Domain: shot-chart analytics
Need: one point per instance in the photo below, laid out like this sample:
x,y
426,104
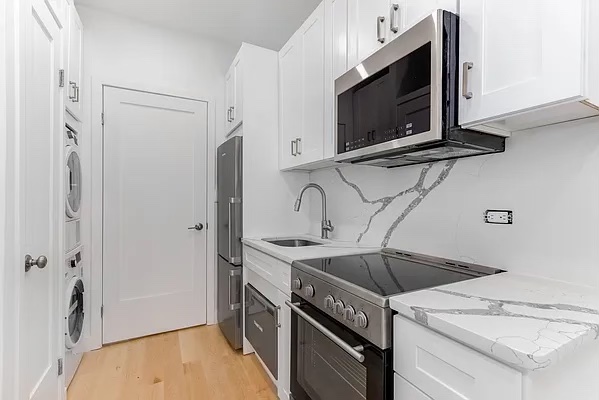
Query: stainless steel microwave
x,y
400,105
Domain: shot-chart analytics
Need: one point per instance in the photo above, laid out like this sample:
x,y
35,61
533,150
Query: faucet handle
x,y
327,226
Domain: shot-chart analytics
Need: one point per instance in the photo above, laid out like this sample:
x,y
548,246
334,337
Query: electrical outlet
x,y
500,217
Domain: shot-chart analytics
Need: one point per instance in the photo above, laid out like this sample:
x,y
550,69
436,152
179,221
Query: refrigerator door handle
x,y
233,258
234,306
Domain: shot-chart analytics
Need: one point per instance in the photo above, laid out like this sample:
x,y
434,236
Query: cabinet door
x,y
311,141
290,101
74,73
368,24
413,11
405,391
229,99
339,28
284,350
525,54
237,103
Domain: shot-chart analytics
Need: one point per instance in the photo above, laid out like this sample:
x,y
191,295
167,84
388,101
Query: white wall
x,y
123,52
548,176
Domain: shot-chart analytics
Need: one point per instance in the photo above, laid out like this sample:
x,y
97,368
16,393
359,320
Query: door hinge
x,y
61,78
102,119
102,311
60,367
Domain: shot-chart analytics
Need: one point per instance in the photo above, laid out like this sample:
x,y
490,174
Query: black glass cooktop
x,y
386,275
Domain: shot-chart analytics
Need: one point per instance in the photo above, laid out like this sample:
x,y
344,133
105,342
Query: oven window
x,y
391,104
324,370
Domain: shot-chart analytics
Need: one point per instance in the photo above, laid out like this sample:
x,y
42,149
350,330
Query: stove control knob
x,y
349,313
339,307
296,284
329,302
309,291
361,320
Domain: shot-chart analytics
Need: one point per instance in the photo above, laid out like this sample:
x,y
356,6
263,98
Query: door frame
x,y
93,152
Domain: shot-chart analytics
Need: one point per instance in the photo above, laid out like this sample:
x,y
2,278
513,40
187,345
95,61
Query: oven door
x,y
329,362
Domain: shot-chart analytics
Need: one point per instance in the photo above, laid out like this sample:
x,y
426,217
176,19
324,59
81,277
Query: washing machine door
x,y
73,182
74,313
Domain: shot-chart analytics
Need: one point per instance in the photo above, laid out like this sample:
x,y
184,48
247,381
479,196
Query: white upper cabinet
x,y
74,70
412,11
290,101
368,24
340,35
304,86
526,63
234,95
310,143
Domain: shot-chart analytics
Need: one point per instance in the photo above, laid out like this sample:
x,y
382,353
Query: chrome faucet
x,y
325,224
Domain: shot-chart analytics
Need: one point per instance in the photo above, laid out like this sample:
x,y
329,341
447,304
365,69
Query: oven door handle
x,y
355,352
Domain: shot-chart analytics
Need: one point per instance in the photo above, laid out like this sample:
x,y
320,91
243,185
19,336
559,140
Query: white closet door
x,y
154,190
40,204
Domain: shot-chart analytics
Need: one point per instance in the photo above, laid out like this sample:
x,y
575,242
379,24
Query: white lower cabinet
x,y
404,390
284,349
271,277
446,370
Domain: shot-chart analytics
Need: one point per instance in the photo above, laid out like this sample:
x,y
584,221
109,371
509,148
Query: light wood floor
x,y
195,363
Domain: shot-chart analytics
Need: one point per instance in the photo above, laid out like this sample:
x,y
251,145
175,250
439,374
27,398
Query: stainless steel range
x,y
341,321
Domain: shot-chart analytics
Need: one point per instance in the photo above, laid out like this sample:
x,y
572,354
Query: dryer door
x,y
74,315
73,183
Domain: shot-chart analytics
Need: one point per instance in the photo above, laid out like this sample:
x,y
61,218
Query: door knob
x,y
41,262
197,227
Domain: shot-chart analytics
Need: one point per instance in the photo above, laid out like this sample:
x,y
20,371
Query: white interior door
x,y
154,189
40,143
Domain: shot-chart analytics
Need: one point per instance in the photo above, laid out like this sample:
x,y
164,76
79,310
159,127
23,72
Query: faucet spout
x,y
325,225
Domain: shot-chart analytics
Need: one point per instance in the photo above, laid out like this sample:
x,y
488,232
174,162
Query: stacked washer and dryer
x,y
74,312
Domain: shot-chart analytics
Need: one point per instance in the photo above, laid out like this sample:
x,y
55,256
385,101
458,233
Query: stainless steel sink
x,y
293,242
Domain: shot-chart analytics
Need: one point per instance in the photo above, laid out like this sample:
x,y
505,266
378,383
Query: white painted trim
x,y
9,292
3,172
94,131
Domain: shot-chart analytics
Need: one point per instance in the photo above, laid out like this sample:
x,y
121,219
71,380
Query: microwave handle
x,y
380,29
355,352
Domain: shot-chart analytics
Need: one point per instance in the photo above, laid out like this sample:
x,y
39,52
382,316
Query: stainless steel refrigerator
x,y
229,230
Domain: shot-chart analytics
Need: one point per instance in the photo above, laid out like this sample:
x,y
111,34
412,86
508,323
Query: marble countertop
x,y
529,323
329,248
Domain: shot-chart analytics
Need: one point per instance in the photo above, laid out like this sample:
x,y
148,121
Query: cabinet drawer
x,y
275,271
404,390
445,369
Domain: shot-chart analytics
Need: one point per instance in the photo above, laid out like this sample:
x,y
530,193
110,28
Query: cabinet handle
x,y
299,146
394,18
76,94
73,90
465,81
293,148
229,114
380,29
232,114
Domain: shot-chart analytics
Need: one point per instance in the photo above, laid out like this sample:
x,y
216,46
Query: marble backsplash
x,y
548,177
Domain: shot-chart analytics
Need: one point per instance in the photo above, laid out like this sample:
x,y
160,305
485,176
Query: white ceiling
x,y
267,23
